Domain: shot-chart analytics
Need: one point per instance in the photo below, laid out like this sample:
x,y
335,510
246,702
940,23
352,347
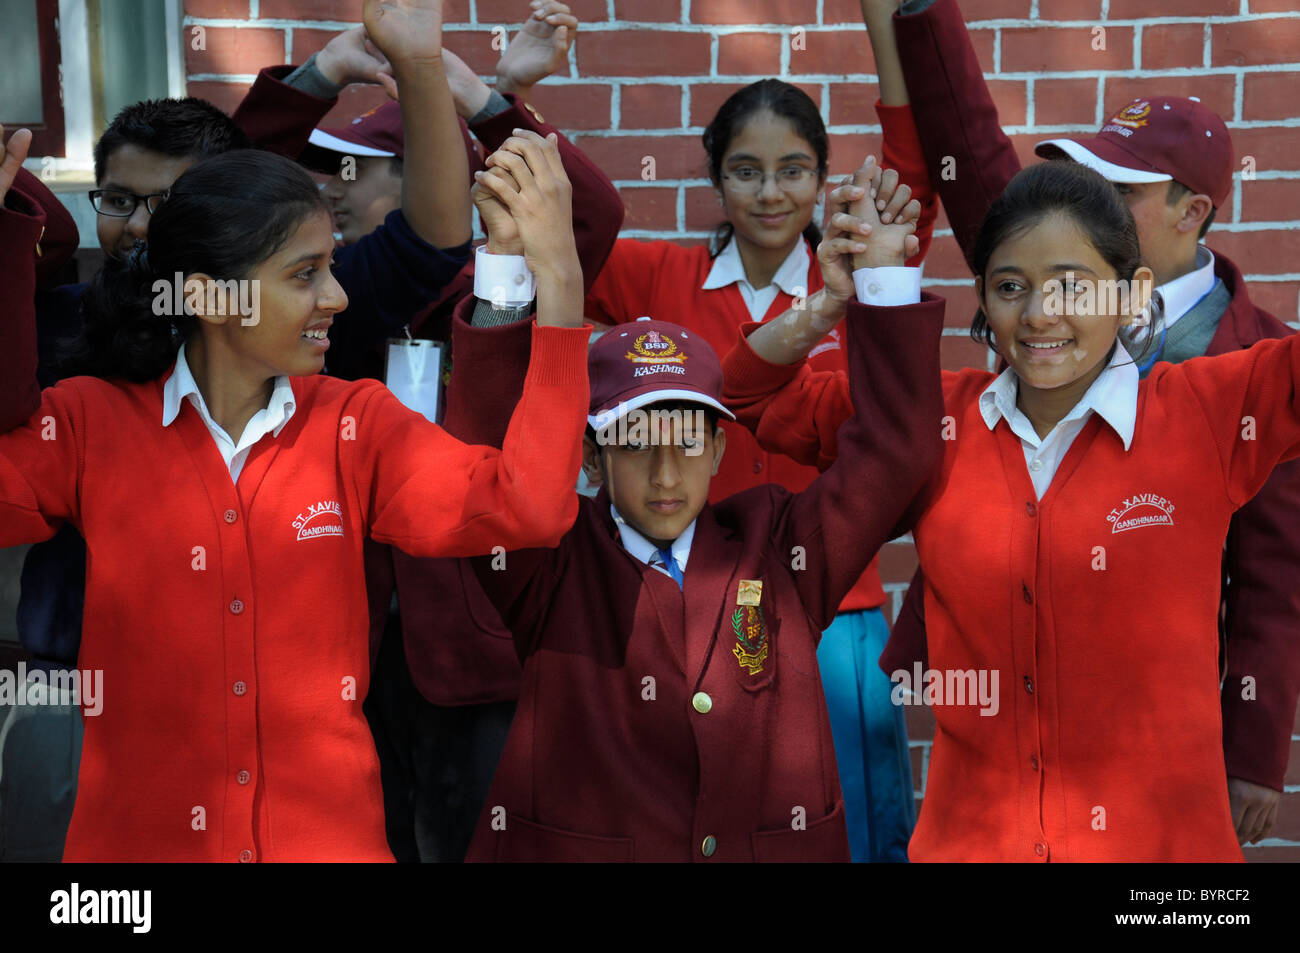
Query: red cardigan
x,y
1260,598
229,621
1109,677
608,757
457,648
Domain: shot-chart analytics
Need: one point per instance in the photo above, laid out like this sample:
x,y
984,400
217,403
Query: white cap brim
x,y
1108,170
324,140
602,420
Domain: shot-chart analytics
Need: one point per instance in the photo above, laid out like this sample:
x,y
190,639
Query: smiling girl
x,y
224,488
1065,480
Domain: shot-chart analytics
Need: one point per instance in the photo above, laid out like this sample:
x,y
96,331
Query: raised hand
x,y
537,50
498,223
351,57
405,31
527,177
886,216
14,153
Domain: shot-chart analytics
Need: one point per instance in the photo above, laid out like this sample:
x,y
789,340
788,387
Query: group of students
x,y
758,417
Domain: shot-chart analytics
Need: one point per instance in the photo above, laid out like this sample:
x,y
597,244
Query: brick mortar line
x,y
1023,76
721,29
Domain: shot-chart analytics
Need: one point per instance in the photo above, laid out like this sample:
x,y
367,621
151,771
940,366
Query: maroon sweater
x,y
1260,606
609,757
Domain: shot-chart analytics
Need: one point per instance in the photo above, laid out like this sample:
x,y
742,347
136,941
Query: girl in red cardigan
x,y
1077,704
226,612
767,158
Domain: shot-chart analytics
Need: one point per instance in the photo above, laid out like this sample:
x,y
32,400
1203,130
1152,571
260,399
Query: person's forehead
x,y
313,236
1052,240
768,136
142,171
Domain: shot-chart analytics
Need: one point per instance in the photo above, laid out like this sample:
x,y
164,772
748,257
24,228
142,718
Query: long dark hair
x,y
222,218
1091,202
781,99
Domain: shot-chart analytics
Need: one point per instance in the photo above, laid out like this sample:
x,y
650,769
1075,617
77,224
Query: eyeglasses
x,y
117,203
747,178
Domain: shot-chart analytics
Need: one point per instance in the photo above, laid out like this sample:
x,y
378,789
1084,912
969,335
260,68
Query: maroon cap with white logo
x,y
1155,140
648,362
376,133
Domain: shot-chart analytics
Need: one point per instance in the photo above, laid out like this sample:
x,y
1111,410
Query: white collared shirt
x,y
1183,294
1113,395
503,280
791,277
647,552
878,286
269,420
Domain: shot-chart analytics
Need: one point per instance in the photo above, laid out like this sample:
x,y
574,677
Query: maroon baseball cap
x,y
1154,140
375,133
648,362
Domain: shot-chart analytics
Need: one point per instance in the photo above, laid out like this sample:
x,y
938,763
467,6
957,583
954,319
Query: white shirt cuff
x,y
503,280
889,286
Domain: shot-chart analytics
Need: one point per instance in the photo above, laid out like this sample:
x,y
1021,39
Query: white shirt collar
x,y
644,550
271,419
1113,395
1182,294
791,277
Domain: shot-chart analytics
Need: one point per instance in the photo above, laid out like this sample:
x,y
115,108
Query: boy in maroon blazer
x,y
671,707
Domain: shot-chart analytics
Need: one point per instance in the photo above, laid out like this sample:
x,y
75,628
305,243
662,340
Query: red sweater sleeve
x,y
623,287
888,449
790,408
431,495
40,467
22,223
1251,402
955,116
901,151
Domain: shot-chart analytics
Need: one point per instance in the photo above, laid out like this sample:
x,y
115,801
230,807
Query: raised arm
x,y
901,146
537,50
969,159
434,199
890,444
39,432
522,495
22,223
768,385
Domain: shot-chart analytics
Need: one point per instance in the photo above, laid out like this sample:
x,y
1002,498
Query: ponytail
x,y
121,335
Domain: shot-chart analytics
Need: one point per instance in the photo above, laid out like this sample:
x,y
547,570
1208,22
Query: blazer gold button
x,y
702,703
709,846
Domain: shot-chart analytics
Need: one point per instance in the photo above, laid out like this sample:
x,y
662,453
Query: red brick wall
x,y
646,75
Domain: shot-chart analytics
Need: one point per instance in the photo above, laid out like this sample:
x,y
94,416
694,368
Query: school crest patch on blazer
x,y
750,627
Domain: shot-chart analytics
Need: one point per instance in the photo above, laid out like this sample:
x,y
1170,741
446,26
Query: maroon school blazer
x,y
658,724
